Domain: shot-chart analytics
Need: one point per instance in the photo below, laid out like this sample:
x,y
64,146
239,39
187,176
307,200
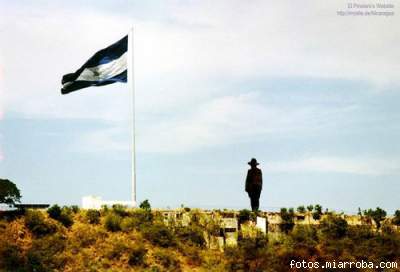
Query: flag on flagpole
x,y
107,66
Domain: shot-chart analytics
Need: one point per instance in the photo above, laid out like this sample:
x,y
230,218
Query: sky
x,y
312,95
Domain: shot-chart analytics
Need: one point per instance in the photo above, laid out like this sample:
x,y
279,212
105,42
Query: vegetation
x,y
301,209
378,215
317,212
396,218
64,215
287,217
121,239
145,205
93,216
9,193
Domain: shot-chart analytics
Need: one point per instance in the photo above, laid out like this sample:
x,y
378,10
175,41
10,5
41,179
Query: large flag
x,y
107,66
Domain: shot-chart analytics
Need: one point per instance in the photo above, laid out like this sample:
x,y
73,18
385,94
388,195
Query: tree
x,y
377,215
64,215
317,212
287,217
396,218
301,209
9,193
310,208
145,205
334,226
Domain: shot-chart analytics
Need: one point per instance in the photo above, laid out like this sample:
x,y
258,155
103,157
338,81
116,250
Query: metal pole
x,y
131,83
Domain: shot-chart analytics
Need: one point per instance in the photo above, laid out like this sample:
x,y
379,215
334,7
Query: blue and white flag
x,y
107,66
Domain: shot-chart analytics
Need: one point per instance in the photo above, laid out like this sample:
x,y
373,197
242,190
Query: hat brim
x,y
250,163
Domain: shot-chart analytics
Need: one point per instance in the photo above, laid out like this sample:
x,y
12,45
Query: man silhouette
x,y
254,184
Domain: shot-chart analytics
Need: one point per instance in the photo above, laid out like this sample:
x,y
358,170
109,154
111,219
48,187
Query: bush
x,y
244,216
304,234
317,212
137,256
64,215
75,208
396,218
333,227
120,210
192,235
377,215
46,253
11,258
113,222
129,223
54,211
249,254
166,260
159,234
145,205
36,223
138,219
301,209
83,235
118,247
93,216
287,219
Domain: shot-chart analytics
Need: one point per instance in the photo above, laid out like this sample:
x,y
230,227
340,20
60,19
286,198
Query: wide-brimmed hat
x,y
253,161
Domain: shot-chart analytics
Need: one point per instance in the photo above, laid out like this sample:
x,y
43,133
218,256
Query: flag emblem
x,y
107,66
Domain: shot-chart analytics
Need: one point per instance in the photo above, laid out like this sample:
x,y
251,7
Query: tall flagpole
x,y
131,83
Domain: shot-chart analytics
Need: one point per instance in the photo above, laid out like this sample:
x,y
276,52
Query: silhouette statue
x,y
254,184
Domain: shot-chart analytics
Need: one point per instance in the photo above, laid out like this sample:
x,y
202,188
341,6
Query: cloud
x,y
332,164
221,121
103,140
180,51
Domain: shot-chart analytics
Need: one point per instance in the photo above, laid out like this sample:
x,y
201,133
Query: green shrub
x,y
317,212
396,218
333,226
83,235
129,223
159,234
137,256
167,260
54,212
304,234
145,205
93,216
104,210
120,210
244,216
287,219
45,254
301,209
11,258
191,235
248,255
141,218
118,247
75,208
377,215
37,224
64,215
112,222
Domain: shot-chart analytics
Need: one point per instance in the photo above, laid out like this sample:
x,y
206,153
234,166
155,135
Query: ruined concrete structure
x,y
225,226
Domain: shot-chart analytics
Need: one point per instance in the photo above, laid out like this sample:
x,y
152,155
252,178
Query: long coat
x,y
254,180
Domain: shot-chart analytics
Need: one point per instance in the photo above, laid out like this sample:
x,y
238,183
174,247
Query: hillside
x,y
117,239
